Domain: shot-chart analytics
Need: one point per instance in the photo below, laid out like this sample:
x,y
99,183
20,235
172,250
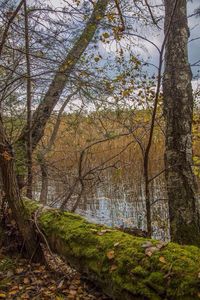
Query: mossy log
x,y
124,266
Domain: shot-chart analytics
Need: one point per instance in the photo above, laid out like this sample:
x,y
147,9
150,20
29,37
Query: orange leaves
x,y
110,254
6,156
162,259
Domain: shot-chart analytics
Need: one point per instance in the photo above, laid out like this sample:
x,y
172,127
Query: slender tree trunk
x,y
44,188
178,109
29,104
42,154
7,27
13,197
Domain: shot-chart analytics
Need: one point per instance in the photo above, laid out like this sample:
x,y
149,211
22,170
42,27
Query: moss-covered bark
x,y
126,267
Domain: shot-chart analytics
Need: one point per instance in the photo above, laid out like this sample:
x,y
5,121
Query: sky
x,y
193,45
194,24
157,38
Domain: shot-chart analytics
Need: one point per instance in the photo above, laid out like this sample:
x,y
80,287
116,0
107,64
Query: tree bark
x,y
45,181
178,110
44,110
41,155
13,197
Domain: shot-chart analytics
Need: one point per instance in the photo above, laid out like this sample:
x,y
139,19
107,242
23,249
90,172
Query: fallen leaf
x,y
73,292
100,233
13,292
162,260
147,245
110,254
26,280
10,273
161,245
149,251
113,268
2,295
61,284
19,270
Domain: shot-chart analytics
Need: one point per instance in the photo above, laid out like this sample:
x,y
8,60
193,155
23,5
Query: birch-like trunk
x,y
178,109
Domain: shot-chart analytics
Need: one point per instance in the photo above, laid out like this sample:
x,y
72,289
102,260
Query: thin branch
x,y
5,33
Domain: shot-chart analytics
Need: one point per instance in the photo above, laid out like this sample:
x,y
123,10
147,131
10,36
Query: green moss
x,y
139,271
157,282
31,206
170,273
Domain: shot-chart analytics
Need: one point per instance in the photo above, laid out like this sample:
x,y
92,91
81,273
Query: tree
x,y
178,110
40,118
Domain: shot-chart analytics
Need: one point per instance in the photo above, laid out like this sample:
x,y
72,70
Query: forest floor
x,y
56,280
20,279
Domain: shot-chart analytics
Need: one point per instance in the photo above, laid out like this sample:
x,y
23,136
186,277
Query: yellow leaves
x,y
126,92
135,60
162,259
13,293
2,295
117,32
111,17
105,35
97,58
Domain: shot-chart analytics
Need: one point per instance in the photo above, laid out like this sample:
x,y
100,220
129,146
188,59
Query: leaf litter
x,y
32,281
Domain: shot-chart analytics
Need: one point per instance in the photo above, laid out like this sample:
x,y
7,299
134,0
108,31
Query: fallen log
x,y
124,266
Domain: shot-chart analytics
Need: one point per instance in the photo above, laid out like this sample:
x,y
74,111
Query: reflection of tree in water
x,y
126,212
120,204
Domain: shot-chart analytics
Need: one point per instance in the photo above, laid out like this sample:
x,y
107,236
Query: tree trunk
x,y
178,110
124,266
44,188
52,96
12,195
29,104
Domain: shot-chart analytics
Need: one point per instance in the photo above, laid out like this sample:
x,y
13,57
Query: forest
x,y
99,149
